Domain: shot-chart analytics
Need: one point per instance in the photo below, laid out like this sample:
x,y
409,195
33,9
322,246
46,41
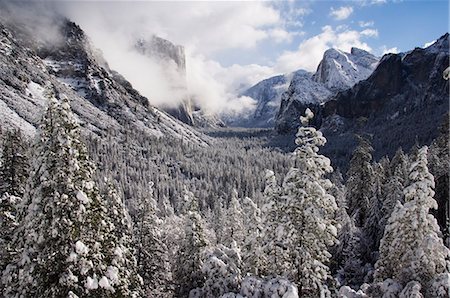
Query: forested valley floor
x,y
123,215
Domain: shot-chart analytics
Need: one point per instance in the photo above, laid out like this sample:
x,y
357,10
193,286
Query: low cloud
x,y
393,50
341,13
310,51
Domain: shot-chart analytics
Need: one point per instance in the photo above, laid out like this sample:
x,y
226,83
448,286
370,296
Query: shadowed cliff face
x,y
173,61
404,101
336,72
413,79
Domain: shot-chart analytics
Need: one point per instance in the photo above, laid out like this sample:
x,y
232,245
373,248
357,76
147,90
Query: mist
x,y
115,27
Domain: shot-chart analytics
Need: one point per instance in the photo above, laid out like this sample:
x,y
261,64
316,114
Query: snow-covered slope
x,y
303,92
280,101
339,70
267,94
101,98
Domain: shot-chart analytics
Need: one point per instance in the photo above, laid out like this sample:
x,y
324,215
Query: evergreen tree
x,y
63,248
372,229
310,213
14,164
411,249
222,269
234,225
252,249
152,252
123,270
8,224
275,259
360,182
188,273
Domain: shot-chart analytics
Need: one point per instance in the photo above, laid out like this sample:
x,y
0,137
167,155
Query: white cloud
x,y
365,24
427,44
370,32
393,50
280,35
205,29
341,13
310,51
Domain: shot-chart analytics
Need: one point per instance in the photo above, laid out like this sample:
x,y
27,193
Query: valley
x,y
170,178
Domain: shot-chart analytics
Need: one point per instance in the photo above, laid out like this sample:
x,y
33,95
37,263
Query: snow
x,y
339,70
113,274
91,283
82,197
80,248
104,283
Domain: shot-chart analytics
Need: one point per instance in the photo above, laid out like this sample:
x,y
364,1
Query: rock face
x,y
267,94
337,71
404,101
101,98
303,92
173,60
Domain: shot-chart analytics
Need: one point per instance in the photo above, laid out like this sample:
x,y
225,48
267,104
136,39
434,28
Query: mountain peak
x,y
339,70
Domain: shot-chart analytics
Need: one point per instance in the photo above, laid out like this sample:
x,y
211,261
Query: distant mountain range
x,y
280,98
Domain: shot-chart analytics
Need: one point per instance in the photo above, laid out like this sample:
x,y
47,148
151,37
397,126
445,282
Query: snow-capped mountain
x,y
267,94
339,70
101,98
404,101
281,99
303,92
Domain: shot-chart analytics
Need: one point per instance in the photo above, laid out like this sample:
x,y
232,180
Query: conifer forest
x,y
325,182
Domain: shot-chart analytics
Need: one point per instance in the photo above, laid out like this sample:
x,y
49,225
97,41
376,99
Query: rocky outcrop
x,y
303,92
173,60
102,99
336,72
403,102
339,70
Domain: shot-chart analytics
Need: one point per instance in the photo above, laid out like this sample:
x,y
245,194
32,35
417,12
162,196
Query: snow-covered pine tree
x,y
152,252
351,249
122,273
411,248
14,164
252,248
309,210
275,259
360,182
222,269
8,224
233,222
187,272
61,240
372,229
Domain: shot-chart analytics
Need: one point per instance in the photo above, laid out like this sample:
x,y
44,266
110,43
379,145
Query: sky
x,y
231,45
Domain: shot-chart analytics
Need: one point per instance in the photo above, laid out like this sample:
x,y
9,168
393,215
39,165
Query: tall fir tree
x,y
152,252
252,248
310,210
411,248
360,182
14,165
275,259
234,224
63,248
187,272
